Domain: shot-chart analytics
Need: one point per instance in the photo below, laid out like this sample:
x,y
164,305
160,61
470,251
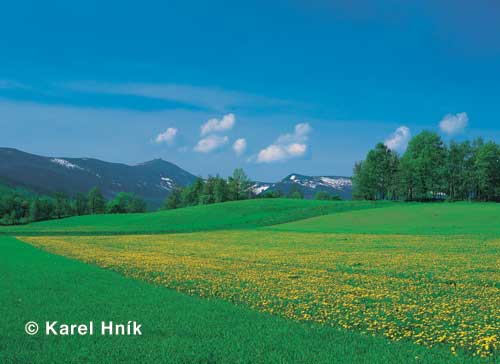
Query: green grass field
x,y
37,286
433,218
229,215
268,281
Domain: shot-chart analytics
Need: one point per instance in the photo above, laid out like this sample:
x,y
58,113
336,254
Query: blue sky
x,y
309,86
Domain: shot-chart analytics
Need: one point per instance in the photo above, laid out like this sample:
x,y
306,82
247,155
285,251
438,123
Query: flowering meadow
x,y
433,290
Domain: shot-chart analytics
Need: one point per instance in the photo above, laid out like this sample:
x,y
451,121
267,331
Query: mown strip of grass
x,y
38,286
228,215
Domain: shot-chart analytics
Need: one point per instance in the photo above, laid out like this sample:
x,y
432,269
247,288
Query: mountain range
x,y
308,185
152,180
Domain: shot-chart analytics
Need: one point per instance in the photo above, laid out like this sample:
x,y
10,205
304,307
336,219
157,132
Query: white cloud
x,y
302,130
399,139
239,146
454,124
210,143
275,153
300,134
296,149
168,136
217,125
287,146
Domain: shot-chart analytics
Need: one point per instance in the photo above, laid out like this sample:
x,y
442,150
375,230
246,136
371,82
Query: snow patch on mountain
x,y
315,182
336,182
65,163
259,188
167,183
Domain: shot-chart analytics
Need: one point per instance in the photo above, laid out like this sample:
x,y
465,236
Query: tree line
x,y
21,207
236,187
212,190
430,170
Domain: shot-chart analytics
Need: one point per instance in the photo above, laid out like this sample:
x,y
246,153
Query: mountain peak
x,y
152,180
308,185
294,177
153,162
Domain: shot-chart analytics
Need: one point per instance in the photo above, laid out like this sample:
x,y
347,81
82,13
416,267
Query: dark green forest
x,y
430,170
19,206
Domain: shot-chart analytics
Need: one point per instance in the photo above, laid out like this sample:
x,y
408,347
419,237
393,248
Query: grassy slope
x,y
229,215
437,218
39,286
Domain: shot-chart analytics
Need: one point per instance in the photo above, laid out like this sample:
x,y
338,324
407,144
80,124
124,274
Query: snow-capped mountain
x,y
151,180
308,185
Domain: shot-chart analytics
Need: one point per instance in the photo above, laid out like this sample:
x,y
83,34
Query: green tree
x,y
272,194
96,202
119,204
14,209
137,204
174,200
295,192
423,167
220,190
62,206
207,195
81,204
43,209
191,195
239,185
460,171
487,165
36,213
473,174
125,203
376,177
361,186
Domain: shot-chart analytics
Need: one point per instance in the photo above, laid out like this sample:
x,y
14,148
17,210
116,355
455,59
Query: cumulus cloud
x,y
454,124
217,125
399,139
239,146
287,146
168,136
210,143
275,153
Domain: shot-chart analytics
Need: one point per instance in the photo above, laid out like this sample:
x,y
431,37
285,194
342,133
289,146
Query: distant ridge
x,y
152,180
308,185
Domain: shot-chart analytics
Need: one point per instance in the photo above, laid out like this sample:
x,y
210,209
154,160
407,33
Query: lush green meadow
x,y
310,282
37,286
405,218
229,215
